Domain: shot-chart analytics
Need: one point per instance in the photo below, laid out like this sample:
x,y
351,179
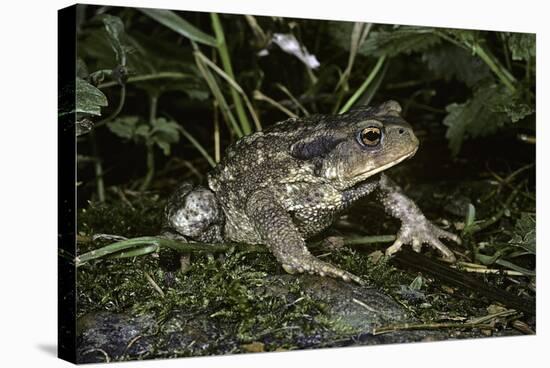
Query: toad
x,y
283,185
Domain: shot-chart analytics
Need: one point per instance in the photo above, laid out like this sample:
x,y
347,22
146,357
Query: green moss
x,y
237,290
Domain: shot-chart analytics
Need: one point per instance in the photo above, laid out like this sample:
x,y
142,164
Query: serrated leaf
x,y
340,32
449,61
401,40
515,109
96,44
89,99
125,126
169,129
525,233
466,36
474,118
165,133
522,46
179,25
143,130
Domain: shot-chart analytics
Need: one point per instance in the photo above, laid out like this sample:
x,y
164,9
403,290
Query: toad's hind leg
x,y
283,238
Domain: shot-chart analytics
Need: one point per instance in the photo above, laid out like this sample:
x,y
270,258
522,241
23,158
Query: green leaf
x,y
81,69
466,36
179,25
126,126
89,99
525,233
449,61
470,216
417,283
400,40
522,46
103,50
515,109
474,118
340,33
143,130
115,31
165,133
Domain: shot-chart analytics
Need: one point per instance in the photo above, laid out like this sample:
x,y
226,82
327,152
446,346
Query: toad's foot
x,y
313,265
423,232
280,234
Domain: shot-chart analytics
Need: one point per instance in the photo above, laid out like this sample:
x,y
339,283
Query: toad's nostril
x,y
401,130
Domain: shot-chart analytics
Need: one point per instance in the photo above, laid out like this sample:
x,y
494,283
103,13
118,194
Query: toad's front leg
x,y
280,234
415,228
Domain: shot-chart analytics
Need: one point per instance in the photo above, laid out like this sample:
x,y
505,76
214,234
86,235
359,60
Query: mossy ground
x,y
230,288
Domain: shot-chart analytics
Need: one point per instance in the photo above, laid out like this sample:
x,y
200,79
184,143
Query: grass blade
x,y
198,146
218,95
363,86
226,62
234,85
179,25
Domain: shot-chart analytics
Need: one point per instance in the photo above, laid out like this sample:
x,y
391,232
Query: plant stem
x,y
118,109
150,159
505,77
492,62
217,150
153,100
234,85
218,95
98,168
226,62
198,146
147,77
363,86
261,97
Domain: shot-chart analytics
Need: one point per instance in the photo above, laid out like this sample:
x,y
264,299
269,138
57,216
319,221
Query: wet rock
x,y
359,310
104,336
354,309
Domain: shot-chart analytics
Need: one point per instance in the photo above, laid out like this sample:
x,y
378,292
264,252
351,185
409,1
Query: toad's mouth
x,y
379,169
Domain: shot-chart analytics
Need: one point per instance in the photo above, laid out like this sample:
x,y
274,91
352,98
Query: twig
x,y
491,271
107,359
364,305
475,323
428,326
154,284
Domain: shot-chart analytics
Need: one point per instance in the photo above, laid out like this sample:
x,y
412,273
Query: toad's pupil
x,y
371,136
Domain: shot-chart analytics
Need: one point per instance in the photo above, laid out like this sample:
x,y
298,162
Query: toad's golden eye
x,y
370,136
